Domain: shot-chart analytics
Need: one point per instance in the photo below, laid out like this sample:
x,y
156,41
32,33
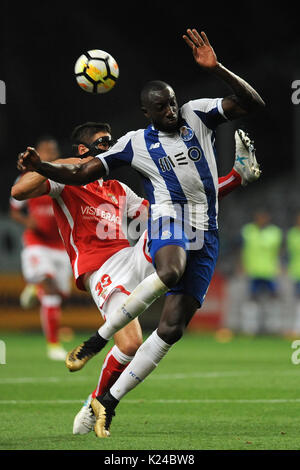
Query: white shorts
x,y
40,262
121,272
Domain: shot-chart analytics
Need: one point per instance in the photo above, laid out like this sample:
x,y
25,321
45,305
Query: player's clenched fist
x,y
28,160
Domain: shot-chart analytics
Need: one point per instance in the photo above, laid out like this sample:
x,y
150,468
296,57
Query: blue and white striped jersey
x,y
178,169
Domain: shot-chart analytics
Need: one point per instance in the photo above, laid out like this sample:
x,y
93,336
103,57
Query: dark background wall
x,y
39,46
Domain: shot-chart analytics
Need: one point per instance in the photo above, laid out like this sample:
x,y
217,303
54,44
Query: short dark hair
x,y
154,85
85,132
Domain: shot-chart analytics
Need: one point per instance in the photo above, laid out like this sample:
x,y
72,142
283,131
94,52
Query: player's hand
x,y
28,160
203,52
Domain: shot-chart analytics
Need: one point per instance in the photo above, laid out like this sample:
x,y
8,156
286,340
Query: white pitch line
x,y
199,375
221,400
29,380
179,376
39,402
176,376
33,380
141,401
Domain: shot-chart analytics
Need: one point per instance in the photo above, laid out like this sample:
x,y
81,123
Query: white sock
x,y
139,300
120,356
144,362
111,370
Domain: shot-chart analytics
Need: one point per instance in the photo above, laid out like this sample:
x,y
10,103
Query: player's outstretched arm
x,y
32,184
245,98
72,174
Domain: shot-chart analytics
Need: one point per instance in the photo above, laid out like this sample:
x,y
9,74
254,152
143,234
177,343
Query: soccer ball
x,y
96,71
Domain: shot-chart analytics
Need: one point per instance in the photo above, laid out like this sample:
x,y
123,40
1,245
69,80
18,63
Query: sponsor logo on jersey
x,y
100,212
194,153
154,146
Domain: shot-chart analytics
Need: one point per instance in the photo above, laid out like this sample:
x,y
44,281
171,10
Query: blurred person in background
x,y
260,258
44,261
293,252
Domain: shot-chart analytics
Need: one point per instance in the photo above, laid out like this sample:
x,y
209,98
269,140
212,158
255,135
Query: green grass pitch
x,y
205,395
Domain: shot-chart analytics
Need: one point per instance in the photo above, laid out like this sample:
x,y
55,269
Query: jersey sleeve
x,y
54,188
210,111
135,204
17,205
120,154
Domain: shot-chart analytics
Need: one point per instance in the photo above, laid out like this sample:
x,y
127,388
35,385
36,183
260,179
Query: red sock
x,y
228,183
50,313
111,371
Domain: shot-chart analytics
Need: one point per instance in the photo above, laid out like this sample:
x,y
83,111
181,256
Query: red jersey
x,y
90,221
46,233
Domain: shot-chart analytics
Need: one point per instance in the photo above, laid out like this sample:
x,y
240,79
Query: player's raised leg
x,y
246,169
245,159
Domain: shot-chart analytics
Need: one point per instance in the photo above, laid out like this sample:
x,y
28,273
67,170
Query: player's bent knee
x,y
170,275
170,333
129,347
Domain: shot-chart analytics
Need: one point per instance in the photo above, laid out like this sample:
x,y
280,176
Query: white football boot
x,y
56,352
245,161
85,419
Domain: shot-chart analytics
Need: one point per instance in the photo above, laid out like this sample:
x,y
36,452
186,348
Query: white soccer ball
x,y
96,71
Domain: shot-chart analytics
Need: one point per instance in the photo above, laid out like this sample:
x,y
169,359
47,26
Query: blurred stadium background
x,y
259,43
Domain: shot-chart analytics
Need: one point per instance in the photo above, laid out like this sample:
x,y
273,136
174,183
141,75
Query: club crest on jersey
x,y
186,133
113,198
